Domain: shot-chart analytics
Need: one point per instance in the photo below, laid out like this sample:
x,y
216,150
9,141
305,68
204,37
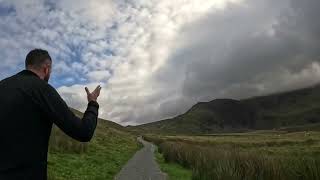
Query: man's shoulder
x,y
33,81
26,82
42,85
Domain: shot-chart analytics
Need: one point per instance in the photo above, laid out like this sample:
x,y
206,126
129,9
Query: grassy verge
x,y
173,170
102,158
283,156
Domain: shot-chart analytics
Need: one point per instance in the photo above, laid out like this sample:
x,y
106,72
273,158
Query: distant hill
x,y
107,123
294,108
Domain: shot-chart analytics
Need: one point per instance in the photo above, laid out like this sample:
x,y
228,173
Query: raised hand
x,y
94,95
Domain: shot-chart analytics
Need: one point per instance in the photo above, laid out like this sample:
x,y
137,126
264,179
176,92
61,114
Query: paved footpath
x,y
142,166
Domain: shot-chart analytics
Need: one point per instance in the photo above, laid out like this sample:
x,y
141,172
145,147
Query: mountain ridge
x,y
287,108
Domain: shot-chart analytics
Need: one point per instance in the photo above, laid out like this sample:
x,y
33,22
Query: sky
x,y
155,59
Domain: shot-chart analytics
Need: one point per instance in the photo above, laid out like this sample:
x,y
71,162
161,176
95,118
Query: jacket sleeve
x,y
58,111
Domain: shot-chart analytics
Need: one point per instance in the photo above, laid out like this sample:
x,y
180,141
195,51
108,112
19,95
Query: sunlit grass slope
x,y
102,158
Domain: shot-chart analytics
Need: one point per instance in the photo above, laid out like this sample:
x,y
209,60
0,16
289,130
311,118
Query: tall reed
x,y
230,163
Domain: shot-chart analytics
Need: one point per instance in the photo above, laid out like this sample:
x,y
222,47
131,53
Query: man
x,y
28,108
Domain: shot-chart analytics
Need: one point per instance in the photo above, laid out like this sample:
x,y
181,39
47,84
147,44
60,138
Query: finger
x,y
97,88
97,91
87,90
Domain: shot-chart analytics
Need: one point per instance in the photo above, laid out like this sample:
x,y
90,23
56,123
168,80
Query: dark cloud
x,y
237,51
248,49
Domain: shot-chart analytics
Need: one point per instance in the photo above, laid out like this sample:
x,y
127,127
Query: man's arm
x,y
58,111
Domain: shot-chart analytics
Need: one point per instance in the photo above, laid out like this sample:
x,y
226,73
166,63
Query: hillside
x,y
111,147
107,123
294,108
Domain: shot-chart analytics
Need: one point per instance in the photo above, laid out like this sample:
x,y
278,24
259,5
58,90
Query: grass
x,y
173,170
257,155
102,158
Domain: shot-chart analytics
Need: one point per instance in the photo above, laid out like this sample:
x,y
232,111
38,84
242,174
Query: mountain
x,y
106,123
294,108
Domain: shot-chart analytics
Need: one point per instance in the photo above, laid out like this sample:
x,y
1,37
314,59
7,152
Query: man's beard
x,y
47,78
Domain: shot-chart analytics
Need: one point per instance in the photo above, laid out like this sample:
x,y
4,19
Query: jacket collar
x,y
28,72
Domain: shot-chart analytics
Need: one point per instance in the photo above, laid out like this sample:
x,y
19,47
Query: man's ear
x,y
46,70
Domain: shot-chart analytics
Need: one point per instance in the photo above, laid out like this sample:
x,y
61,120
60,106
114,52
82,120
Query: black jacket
x,y
28,108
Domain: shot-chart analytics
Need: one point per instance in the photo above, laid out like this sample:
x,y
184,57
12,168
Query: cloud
x,y
247,45
97,12
97,76
155,59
